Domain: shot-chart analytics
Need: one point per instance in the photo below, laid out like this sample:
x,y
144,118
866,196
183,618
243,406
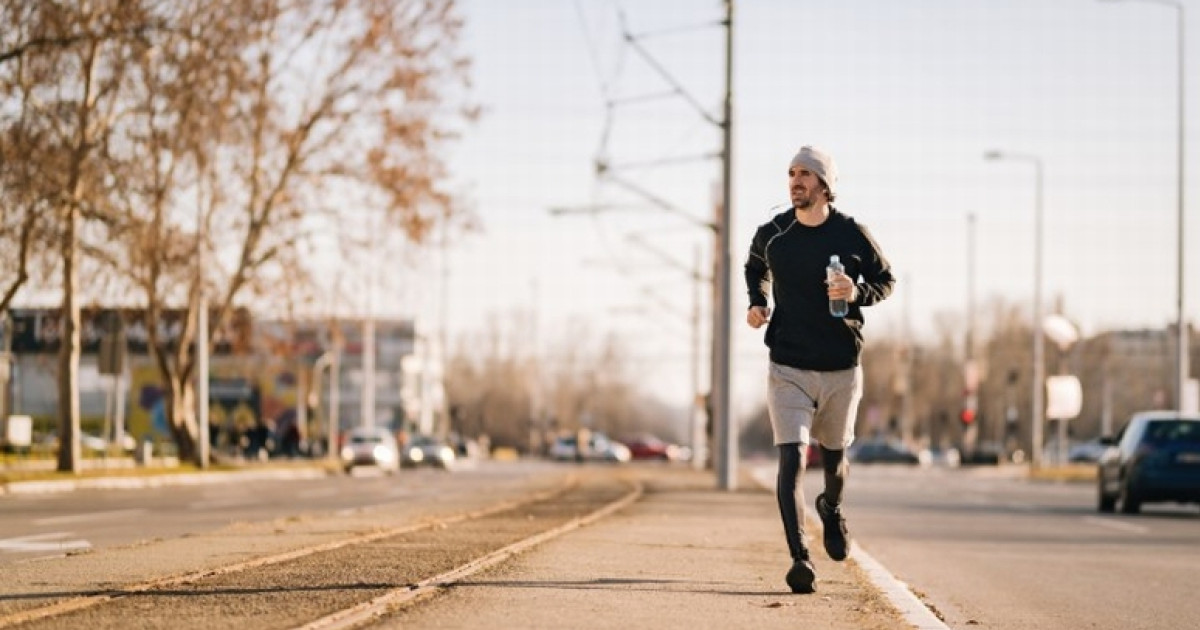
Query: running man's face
x,y
805,188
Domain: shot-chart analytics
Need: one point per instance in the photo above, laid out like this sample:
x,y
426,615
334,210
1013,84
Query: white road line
x,y
979,498
317,493
52,541
90,516
914,610
1112,523
218,504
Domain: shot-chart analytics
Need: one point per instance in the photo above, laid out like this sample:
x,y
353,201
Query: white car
x,y
600,448
371,446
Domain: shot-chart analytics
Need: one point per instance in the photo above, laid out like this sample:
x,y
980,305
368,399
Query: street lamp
x,y
1039,365
1181,347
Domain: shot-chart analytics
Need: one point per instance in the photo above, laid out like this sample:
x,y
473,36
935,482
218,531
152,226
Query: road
x,y
986,551
981,549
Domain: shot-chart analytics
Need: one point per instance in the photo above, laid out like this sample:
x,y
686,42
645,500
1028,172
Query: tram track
x,y
343,583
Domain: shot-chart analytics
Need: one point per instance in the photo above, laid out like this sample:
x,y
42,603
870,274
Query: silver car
x,y
424,450
371,446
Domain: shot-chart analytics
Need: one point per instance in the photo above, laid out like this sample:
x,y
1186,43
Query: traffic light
x,y
970,404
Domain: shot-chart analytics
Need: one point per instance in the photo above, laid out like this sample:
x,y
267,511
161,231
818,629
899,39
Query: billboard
x,y
40,331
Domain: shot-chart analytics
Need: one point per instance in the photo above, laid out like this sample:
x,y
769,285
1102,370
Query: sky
x,y
906,95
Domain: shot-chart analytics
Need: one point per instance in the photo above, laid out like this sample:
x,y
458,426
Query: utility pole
x,y
724,452
202,454
367,400
696,418
723,422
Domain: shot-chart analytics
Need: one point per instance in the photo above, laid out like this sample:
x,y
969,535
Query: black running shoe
x,y
836,538
802,578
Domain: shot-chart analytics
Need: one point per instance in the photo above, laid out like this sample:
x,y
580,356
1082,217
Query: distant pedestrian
x,y
815,381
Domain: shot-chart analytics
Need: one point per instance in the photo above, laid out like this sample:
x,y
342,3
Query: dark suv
x,y
1156,457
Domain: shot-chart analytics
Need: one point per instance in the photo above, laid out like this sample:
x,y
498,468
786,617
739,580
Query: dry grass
x,y
1070,472
11,473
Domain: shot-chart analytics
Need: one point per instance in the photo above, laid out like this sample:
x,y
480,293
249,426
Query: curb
x,y
155,481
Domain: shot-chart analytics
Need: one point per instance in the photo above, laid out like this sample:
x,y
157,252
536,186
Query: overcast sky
x,y
906,95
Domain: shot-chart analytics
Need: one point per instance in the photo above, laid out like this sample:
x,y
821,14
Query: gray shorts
x,y
805,405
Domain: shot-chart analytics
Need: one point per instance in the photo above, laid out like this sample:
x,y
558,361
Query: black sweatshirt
x,y
792,258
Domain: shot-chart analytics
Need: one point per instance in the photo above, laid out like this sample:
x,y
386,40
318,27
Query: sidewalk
x,y
40,478
685,556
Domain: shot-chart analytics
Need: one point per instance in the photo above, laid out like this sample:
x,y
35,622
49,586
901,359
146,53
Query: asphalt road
x,y
981,549
987,551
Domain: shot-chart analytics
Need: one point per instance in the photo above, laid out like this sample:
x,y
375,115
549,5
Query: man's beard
x,y
803,201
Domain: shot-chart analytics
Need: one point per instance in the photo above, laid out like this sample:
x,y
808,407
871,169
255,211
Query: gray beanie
x,y
818,162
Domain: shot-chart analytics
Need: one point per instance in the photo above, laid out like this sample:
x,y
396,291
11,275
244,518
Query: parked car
x,y
426,450
882,451
1088,452
947,457
1156,459
985,454
651,447
89,442
814,455
600,448
371,446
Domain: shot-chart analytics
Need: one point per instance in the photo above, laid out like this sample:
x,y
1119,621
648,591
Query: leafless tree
x,y
585,380
262,121
67,69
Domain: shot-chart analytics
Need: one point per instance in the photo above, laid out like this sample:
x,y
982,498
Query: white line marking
x,y
91,516
1113,523
218,504
914,610
53,542
317,493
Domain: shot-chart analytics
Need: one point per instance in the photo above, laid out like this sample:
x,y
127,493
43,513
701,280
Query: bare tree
x,y
263,117
588,382
68,72
270,120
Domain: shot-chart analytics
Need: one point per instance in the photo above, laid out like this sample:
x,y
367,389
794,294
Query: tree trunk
x,y
183,419
69,454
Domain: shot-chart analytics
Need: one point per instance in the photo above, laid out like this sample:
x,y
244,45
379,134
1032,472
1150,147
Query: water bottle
x,y
837,308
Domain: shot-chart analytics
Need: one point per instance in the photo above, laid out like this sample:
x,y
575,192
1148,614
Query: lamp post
x,y
1039,342
1181,346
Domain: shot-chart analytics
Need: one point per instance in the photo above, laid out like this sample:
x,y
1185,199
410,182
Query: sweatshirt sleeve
x,y
756,271
876,281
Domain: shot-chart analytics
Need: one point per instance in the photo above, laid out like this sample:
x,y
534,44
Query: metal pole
x,y
1181,367
335,397
1037,422
1181,341
201,341
695,414
1039,341
727,471
971,431
367,404
367,399
970,349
